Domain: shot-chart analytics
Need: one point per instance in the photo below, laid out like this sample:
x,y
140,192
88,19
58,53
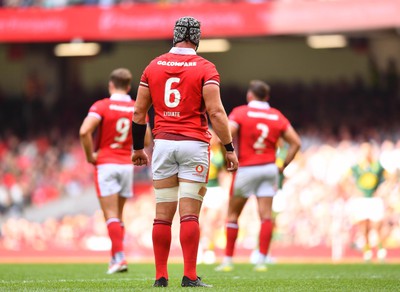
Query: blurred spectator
x,y
367,209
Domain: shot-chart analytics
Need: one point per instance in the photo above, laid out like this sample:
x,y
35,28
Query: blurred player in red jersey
x,y
258,128
114,170
183,88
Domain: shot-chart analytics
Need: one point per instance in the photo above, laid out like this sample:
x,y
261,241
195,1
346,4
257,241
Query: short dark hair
x,y
260,89
121,78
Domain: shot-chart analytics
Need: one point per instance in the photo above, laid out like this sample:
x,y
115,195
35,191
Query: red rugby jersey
x,y
176,81
260,127
114,132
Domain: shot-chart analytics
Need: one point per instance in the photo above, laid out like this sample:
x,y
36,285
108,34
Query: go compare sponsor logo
x,y
177,64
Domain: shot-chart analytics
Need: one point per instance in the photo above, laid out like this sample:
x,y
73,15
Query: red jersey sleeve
x,y
211,75
234,116
284,122
97,110
144,80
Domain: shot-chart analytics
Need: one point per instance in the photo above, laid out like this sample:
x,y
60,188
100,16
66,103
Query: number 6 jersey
x,y
177,79
260,127
114,132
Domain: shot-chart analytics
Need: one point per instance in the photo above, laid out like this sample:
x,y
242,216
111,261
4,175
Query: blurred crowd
x,y
313,209
315,205
42,163
39,170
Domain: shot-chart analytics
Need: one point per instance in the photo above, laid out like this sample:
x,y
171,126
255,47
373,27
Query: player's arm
x,y
292,138
234,128
147,137
139,125
216,112
142,105
220,123
85,133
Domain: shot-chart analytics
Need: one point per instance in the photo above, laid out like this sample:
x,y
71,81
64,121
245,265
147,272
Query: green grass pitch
x,y
279,277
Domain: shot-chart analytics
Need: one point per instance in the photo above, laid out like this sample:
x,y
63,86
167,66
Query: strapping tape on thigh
x,y
166,195
195,191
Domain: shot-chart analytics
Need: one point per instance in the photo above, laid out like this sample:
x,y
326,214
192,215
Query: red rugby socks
x,y
189,237
232,230
115,233
265,235
161,246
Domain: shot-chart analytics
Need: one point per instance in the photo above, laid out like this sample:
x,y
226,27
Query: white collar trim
x,y
120,97
182,51
259,104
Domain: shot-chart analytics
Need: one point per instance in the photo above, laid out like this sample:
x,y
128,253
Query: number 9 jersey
x,y
114,132
260,127
176,80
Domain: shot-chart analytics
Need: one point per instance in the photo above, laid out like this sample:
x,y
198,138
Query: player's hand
x,y
139,157
93,158
232,162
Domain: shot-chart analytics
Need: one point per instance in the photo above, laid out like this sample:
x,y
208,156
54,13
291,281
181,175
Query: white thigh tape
x,y
166,195
192,190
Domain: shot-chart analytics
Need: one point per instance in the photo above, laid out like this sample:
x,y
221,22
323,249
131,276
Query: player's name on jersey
x,y
177,64
262,116
121,108
172,114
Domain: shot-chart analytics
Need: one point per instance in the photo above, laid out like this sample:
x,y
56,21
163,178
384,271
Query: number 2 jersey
x,y
114,131
176,81
260,127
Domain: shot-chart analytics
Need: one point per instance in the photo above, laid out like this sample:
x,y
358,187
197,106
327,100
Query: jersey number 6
x,y
169,102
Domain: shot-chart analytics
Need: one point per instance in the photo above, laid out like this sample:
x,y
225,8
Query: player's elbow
x,y
83,132
298,142
291,137
216,115
296,145
139,117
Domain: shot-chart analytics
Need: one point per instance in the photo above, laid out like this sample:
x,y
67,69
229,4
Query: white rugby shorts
x,y
366,209
259,180
188,159
113,178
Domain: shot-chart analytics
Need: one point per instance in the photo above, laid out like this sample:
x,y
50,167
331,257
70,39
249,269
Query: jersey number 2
x,y
260,142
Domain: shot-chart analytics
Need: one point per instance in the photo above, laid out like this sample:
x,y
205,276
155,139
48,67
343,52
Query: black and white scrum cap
x,y
187,28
